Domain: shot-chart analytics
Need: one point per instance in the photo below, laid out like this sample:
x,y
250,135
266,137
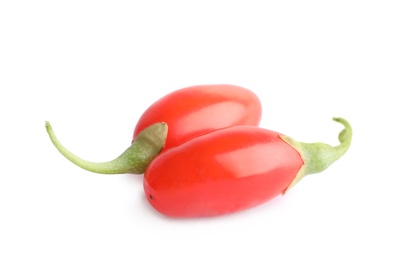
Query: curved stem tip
x,y
319,156
134,159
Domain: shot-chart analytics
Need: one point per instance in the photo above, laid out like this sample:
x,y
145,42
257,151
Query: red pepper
x,y
187,112
233,169
196,110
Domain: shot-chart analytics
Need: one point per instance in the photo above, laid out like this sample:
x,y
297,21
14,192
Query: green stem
x,y
135,159
319,156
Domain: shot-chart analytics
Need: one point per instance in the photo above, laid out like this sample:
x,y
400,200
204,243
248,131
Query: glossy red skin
x,y
221,172
197,110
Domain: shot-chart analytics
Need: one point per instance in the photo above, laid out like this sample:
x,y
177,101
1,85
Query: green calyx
x,y
319,156
134,159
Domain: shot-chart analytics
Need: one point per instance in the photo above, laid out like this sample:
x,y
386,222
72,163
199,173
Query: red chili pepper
x,y
187,112
233,169
197,110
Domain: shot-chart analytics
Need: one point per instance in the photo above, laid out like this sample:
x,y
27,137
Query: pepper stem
x,y
134,159
319,156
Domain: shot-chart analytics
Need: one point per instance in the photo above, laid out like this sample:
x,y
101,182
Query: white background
x,y
92,67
